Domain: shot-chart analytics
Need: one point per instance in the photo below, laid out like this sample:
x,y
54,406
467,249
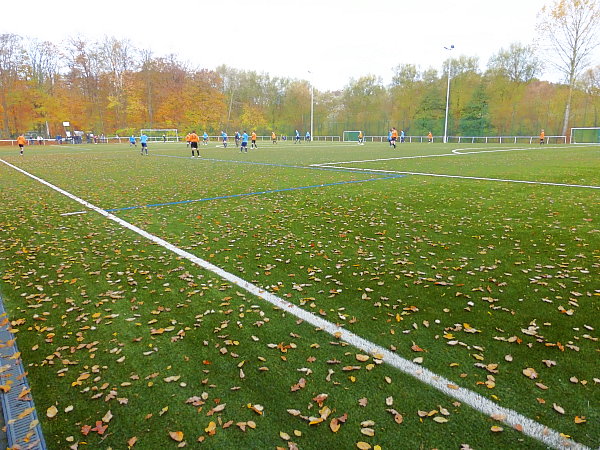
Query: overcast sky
x,y
335,40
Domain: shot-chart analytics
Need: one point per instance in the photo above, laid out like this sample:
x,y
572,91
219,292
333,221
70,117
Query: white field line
x,y
73,213
512,418
455,152
464,177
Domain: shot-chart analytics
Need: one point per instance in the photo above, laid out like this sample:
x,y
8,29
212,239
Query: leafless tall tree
x,y
572,28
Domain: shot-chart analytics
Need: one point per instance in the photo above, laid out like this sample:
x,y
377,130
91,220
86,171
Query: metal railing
x,y
410,139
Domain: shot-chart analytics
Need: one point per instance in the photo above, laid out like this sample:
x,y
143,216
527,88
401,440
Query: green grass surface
x,y
475,273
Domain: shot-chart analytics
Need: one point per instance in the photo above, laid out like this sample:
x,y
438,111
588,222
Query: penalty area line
x,y
465,177
476,401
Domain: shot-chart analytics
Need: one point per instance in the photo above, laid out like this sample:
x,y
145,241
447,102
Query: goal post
x,y
161,134
350,136
585,135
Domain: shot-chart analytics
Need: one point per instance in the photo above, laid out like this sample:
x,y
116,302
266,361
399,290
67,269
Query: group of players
x,y
192,140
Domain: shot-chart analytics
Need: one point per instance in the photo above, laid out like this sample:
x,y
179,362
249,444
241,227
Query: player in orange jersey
x,y
273,137
542,137
253,139
394,137
193,140
22,142
429,137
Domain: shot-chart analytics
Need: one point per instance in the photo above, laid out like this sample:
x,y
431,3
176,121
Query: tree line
x,y
111,87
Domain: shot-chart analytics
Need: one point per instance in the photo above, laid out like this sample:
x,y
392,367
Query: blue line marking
x,y
271,191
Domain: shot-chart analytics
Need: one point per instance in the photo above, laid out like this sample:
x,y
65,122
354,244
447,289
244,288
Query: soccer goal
x,y
350,136
589,135
161,135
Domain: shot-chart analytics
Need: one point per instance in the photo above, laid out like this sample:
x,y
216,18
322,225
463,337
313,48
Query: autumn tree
x,y
475,118
571,27
12,64
518,63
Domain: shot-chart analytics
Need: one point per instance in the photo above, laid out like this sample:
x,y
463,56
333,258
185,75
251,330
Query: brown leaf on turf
x,y
51,412
258,409
363,401
131,442
107,417
559,409
301,384
363,445
177,436
496,429
100,428
320,399
85,430
581,419
530,372
362,358
283,435
334,425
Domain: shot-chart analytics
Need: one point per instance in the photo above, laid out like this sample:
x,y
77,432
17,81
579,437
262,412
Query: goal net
x,y
159,134
590,135
350,136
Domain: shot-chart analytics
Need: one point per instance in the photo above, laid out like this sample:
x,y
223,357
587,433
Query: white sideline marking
x,y
503,180
512,418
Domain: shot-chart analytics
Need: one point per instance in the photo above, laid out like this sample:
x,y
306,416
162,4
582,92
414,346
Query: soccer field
x,y
322,295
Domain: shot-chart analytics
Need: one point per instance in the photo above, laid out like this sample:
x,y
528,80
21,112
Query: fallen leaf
x,y
51,412
334,425
177,436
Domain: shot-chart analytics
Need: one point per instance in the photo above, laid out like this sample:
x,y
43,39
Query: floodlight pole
x,y
447,98
312,107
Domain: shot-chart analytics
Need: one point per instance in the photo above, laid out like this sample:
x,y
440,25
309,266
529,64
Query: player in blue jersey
x,y
205,138
307,137
144,142
244,146
237,138
224,138
132,141
297,138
